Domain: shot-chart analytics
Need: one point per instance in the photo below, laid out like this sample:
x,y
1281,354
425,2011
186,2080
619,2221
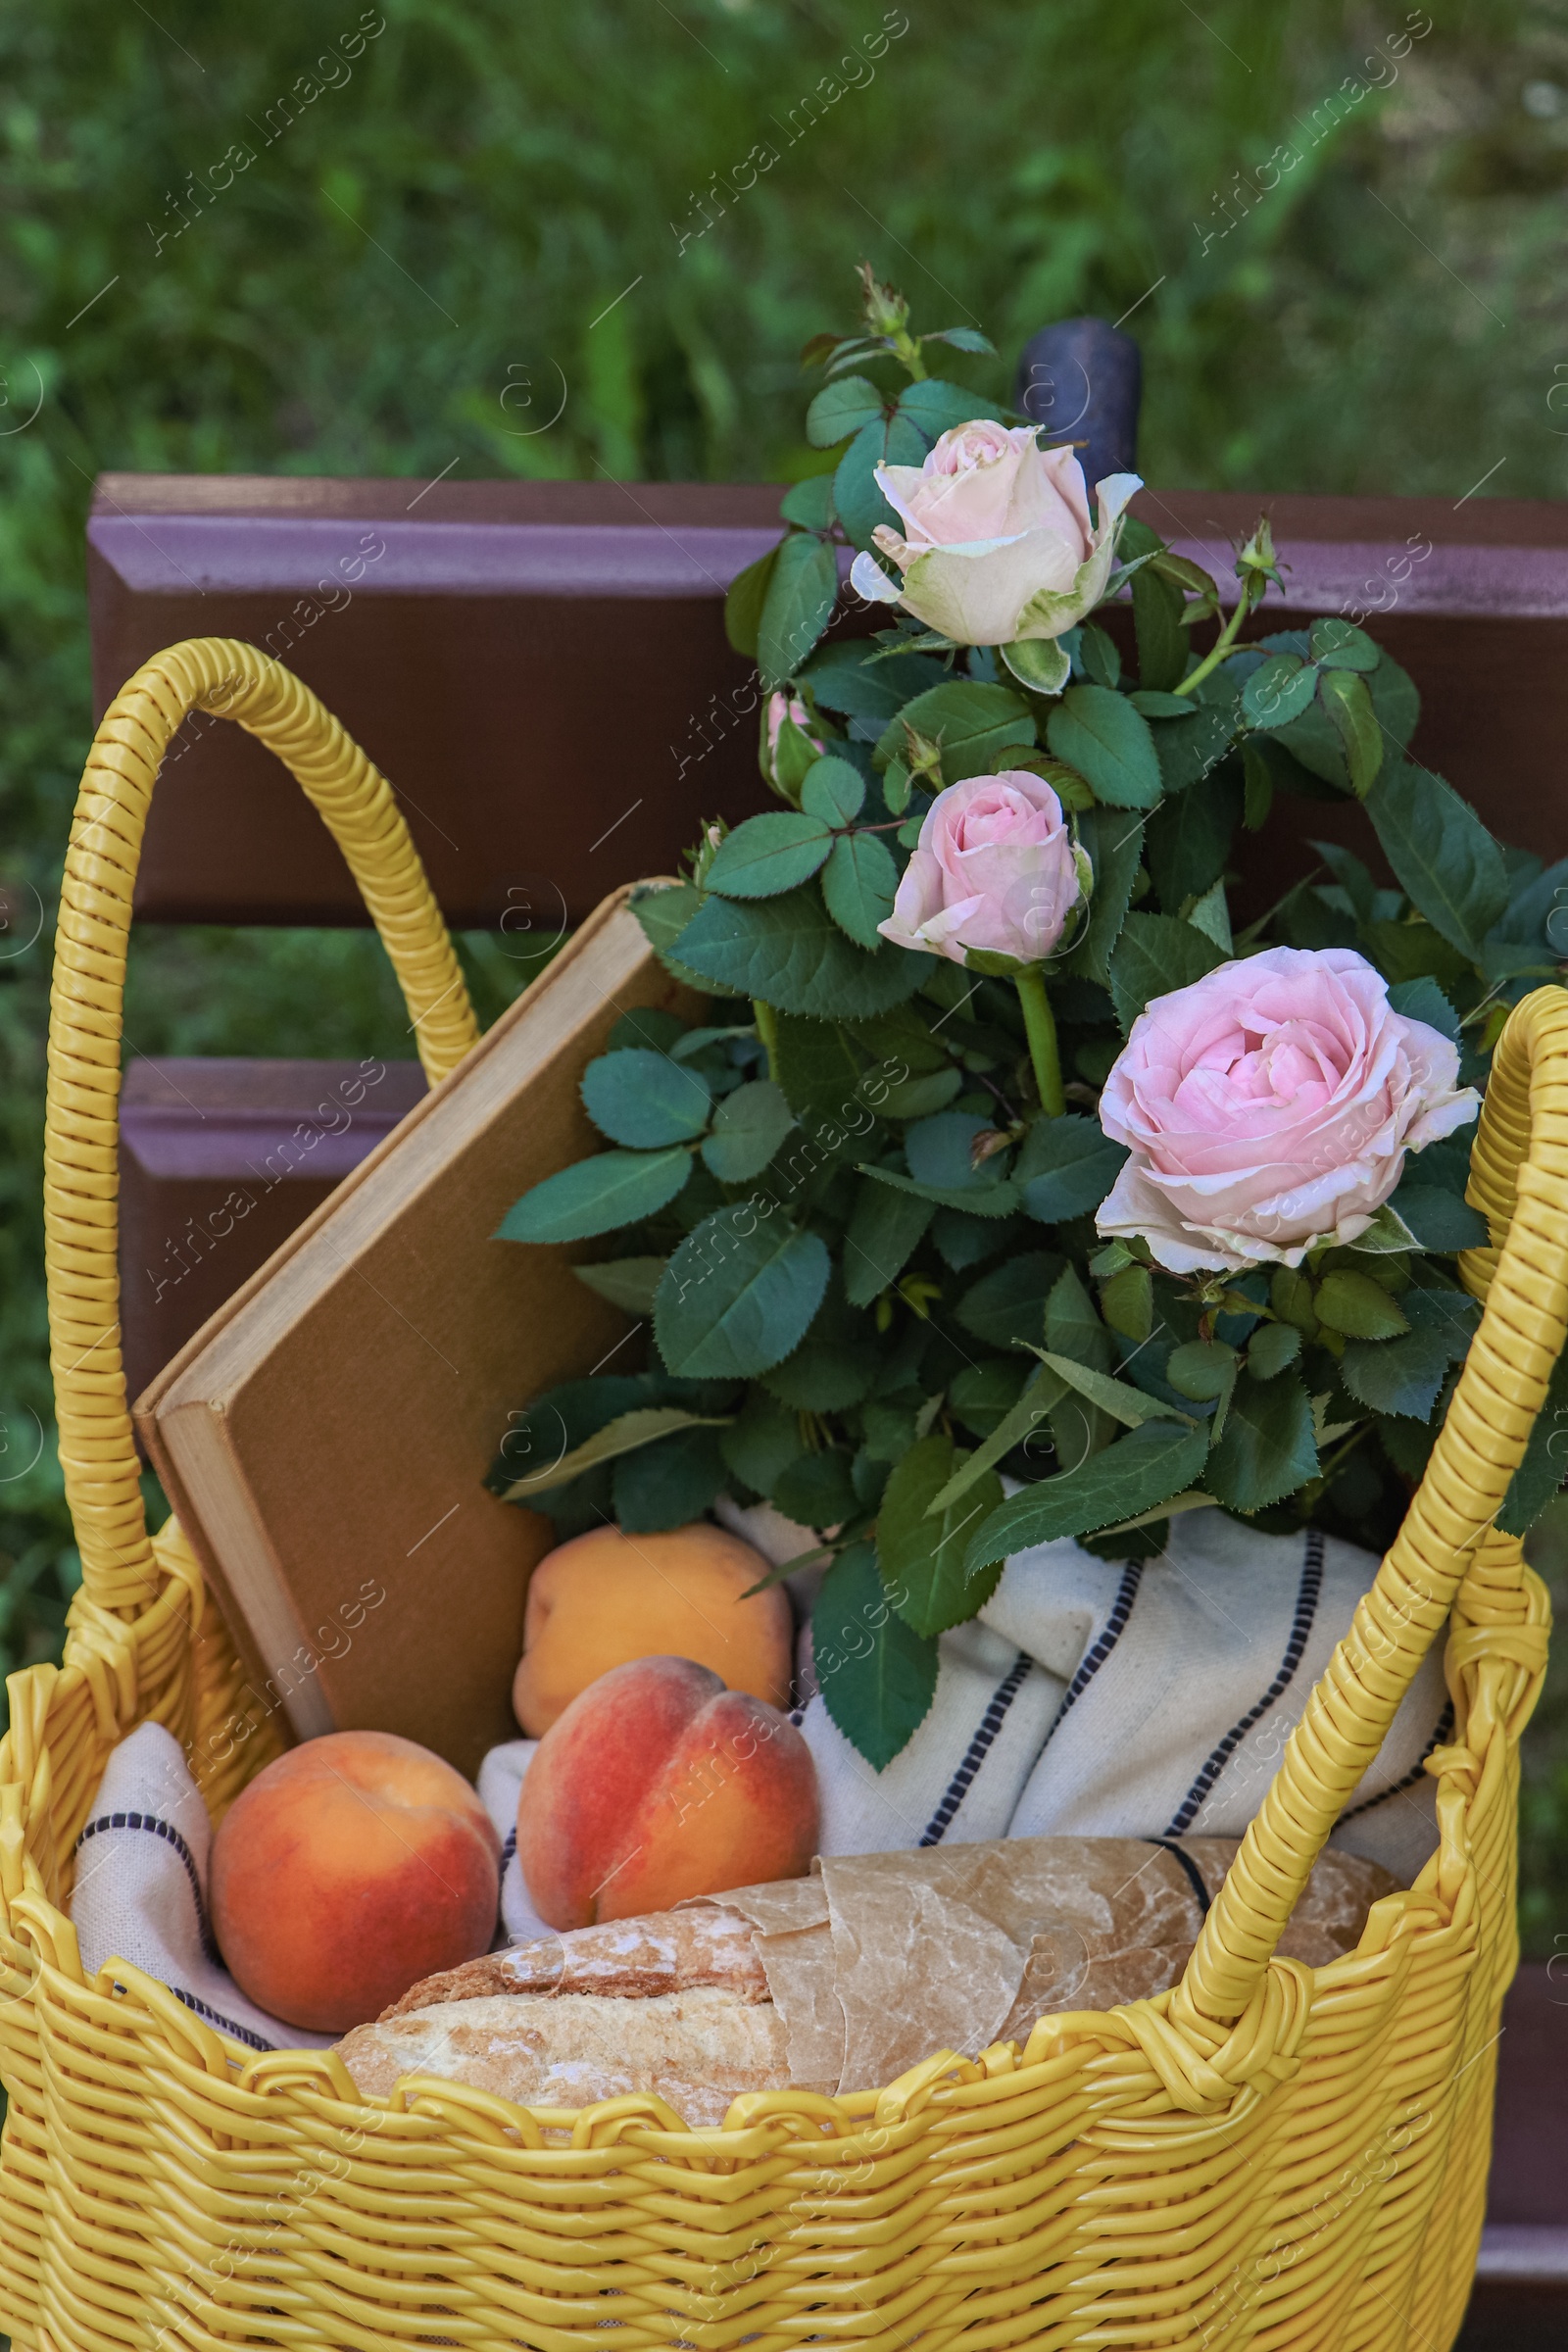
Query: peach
x,y
605,1598
350,1868
657,1783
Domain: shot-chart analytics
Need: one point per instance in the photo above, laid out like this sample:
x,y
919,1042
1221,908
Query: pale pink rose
x,y
1269,1106
998,542
996,868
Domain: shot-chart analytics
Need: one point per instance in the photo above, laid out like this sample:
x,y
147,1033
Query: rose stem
x,y
1224,644
1042,1031
767,1031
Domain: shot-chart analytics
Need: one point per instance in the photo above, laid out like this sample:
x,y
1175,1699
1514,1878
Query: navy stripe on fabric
x,y
1417,1771
1195,1877
1121,1608
225,2025
170,1836
508,1849
1308,1594
991,1723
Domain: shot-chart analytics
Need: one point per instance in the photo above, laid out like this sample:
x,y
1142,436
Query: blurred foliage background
x,y
443,197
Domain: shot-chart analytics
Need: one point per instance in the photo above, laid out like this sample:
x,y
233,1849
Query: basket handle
x,y
1519,1178
81,1135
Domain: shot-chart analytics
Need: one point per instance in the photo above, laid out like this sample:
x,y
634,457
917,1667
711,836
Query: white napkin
x,y
141,1890
1094,1698
501,1778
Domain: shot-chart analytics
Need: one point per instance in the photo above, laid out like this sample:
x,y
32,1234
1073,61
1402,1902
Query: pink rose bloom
x,y
998,543
1269,1106
996,868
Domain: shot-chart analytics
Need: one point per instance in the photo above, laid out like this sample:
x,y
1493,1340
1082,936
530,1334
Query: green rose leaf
x,y
1032,1405
1339,644
1545,1463
1156,954
744,599
847,679
877,1674
1452,1314
880,441
938,1152
762,1443
1115,843
1187,842
733,1303
798,606
1099,733
936,407
1435,1217
769,855
1441,853
1345,697
667,1484
983,1395
841,409
817,1490
1066,1167
628,1283
833,791
1140,1471
664,911
858,886
1163,642
1424,1000
625,1434
1189,749
1267,1448
597,1196
1270,1349
995,1201
1006,1307
922,1549
1358,1307
1396,1376
808,504
643,1098
884,1228
790,953
1278,691
974,724
748,1127
834,1365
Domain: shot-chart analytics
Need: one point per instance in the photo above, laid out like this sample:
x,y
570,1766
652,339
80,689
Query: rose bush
x,y
1269,1108
998,542
995,869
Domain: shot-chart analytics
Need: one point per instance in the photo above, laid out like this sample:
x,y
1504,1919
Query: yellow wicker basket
x,y
1268,2155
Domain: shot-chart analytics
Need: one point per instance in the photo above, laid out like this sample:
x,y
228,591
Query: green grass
x,y
418,270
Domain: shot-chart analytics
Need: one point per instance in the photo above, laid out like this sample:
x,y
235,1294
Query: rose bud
x,y
998,541
1269,1106
996,870
788,747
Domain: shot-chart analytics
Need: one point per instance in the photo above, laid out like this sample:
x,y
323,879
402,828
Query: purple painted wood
x,y
541,671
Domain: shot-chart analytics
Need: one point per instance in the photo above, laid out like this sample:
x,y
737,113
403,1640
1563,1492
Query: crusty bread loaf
x,y
696,2050
853,1975
665,1951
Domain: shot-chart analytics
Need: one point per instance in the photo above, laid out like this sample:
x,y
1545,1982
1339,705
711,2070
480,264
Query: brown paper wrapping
x,y
877,1960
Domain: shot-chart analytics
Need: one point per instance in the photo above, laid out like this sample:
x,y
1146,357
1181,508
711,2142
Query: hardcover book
x,y
325,1436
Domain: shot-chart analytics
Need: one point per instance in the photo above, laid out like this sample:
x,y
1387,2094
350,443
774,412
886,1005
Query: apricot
x,y
349,1869
657,1784
605,1598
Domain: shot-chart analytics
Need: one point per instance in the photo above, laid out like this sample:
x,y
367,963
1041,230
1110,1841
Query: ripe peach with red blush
x,y
657,1784
350,1868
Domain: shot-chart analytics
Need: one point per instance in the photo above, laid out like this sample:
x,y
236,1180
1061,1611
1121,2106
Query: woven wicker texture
x,y
1268,2155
